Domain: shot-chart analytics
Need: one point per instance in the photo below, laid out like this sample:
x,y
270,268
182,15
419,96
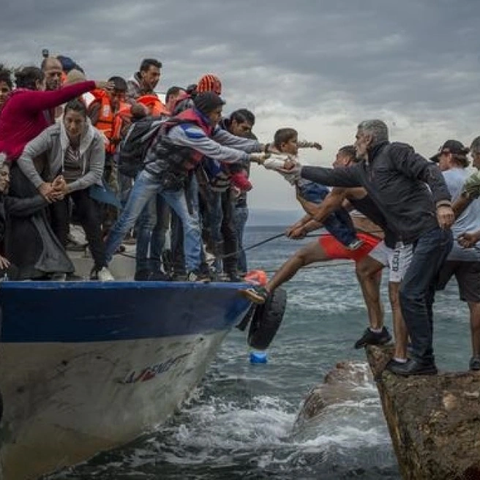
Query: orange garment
x,y
155,106
121,119
336,250
109,122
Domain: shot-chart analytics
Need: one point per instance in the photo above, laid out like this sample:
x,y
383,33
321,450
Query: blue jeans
x,y
417,290
240,215
144,227
146,187
159,233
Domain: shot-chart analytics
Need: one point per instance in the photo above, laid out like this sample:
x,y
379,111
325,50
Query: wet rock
x,y
339,385
434,421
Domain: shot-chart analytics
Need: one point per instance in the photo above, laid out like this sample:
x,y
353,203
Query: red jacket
x,y
22,117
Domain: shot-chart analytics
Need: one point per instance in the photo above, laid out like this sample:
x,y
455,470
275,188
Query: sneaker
x,y
357,243
372,338
256,294
411,367
234,278
75,246
197,276
474,363
102,275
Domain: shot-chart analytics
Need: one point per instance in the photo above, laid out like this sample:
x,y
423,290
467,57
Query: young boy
x,y
339,223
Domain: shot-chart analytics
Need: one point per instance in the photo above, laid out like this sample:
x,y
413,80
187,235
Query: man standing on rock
x,y
463,261
412,194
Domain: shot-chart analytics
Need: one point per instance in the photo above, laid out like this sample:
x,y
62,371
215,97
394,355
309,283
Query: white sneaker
x,y
104,275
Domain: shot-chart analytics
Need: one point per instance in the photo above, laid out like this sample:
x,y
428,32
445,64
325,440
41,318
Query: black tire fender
x,y
267,319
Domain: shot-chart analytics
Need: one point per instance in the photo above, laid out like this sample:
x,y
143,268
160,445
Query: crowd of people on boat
x,y
127,167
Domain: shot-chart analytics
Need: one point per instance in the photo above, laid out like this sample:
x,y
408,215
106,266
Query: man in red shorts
x,y
370,258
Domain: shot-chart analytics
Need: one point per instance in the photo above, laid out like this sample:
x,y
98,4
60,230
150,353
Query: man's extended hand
x,y
445,216
258,157
468,239
297,233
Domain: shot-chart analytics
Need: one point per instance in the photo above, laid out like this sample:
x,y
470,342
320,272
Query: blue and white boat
x,y
89,366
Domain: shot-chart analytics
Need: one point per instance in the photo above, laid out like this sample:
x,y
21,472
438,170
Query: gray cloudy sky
x,y
320,66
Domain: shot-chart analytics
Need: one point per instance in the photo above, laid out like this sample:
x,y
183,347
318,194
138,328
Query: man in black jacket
x,y
412,195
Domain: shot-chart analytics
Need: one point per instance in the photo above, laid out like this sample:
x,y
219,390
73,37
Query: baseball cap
x,y
451,146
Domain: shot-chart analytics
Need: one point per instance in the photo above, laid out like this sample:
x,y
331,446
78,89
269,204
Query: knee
x,y
302,259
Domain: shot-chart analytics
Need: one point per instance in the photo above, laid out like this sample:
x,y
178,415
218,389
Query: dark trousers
x,y
417,290
87,211
223,230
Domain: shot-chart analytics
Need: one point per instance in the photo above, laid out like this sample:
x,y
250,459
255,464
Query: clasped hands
x,y
55,190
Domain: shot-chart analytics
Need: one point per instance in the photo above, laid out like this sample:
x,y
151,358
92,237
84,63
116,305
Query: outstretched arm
x,y
338,177
42,100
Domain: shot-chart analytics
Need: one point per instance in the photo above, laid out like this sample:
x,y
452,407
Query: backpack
x,y
134,146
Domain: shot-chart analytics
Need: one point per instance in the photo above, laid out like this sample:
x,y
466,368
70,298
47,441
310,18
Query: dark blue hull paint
x,y
95,312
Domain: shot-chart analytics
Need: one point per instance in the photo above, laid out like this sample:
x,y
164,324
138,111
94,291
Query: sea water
x,y
239,423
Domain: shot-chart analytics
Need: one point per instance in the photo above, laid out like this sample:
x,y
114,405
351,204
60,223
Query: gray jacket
x,y
53,141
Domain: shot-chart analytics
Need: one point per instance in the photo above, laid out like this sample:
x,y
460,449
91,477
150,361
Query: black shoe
x,y
198,276
373,338
234,277
411,367
474,363
159,276
142,275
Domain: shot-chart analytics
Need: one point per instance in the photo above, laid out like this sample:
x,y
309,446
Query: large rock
x,y
339,384
434,421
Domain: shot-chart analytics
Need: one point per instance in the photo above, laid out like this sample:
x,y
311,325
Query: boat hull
x,y
107,370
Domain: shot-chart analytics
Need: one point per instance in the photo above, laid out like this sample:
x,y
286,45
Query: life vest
x,y
169,162
154,105
185,119
107,121
122,118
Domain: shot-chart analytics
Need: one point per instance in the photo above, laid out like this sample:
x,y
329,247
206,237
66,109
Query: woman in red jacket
x,y
22,115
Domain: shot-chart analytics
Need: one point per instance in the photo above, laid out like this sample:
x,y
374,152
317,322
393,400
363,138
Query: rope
x,y
263,242
255,245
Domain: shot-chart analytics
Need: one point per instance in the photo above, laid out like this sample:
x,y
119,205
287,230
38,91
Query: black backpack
x,y
134,146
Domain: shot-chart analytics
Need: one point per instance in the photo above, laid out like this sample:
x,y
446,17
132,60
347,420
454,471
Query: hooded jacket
x,y
53,142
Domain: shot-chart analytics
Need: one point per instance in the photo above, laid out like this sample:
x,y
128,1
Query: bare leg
x,y
369,276
475,327
399,328
310,253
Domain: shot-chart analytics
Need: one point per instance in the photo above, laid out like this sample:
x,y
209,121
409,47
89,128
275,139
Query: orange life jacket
x,y
109,123
155,106
122,117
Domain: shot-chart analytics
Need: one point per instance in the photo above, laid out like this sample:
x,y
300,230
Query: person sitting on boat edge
x,y
74,150
29,242
177,150
338,223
